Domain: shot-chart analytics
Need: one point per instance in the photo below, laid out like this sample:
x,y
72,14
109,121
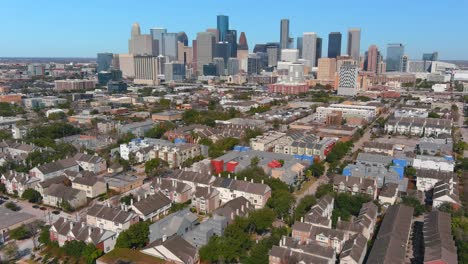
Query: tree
x,y
2,188
433,115
152,166
281,202
415,203
66,206
44,235
32,196
410,172
262,219
304,206
317,169
254,161
134,237
323,190
126,199
11,251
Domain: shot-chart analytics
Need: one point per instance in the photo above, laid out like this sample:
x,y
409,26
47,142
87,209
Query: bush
x,y
20,233
134,237
12,206
32,196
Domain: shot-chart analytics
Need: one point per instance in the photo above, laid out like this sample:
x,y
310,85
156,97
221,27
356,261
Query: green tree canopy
x,y
134,237
32,196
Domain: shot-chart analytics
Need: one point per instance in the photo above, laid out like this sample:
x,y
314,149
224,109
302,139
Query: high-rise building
x,y
174,71
222,26
284,34
299,45
232,66
161,60
36,69
209,69
242,52
146,70
220,65
243,45
318,51
259,48
348,78
215,32
430,56
182,37
404,63
372,59
334,44
253,64
290,55
295,73
127,65
205,49
309,48
157,34
222,50
231,38
140,44
326,69
169,46
395,53
354,43
273,52
185,53
104,61
381,67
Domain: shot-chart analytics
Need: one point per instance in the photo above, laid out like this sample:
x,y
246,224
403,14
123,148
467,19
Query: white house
x,y
434,163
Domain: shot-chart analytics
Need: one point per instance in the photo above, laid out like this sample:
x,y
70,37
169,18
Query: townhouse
x,y
64,230
91,185
177,192
177,223
427,179
92,163
54,169
173,250
205,199
388,194
256,193
151,206
56,194
291,251
390,245
445,163
439,246
110,218
355,185
18,182
415,126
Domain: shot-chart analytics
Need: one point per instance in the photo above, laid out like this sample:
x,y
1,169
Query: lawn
x,y
128,255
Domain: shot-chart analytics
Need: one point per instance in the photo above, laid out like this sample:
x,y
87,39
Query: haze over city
x,y
83,28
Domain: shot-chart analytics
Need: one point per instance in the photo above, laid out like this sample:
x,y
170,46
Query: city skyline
x,y
99,31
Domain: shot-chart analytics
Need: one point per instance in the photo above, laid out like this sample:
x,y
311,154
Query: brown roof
x,y
179,247
390,244
438,239
110,213
152,203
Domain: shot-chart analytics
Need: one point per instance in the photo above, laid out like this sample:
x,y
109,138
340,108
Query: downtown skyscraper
x,y
284,34
395,52
354,43
205,49
222,26
334,44
309,48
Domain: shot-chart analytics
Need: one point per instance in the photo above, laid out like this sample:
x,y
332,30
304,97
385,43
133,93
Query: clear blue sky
x,y
81,28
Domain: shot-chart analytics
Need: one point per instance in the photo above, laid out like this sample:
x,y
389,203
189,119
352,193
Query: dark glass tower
x,y
104,61
318,50
284,34
231,38
334,44
222,26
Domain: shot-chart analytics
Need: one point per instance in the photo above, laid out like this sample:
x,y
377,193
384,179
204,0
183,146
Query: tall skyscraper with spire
x,y
354,43
222,26
242,52
284,34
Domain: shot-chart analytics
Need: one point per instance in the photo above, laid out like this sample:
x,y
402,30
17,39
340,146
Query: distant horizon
x,y
60,29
